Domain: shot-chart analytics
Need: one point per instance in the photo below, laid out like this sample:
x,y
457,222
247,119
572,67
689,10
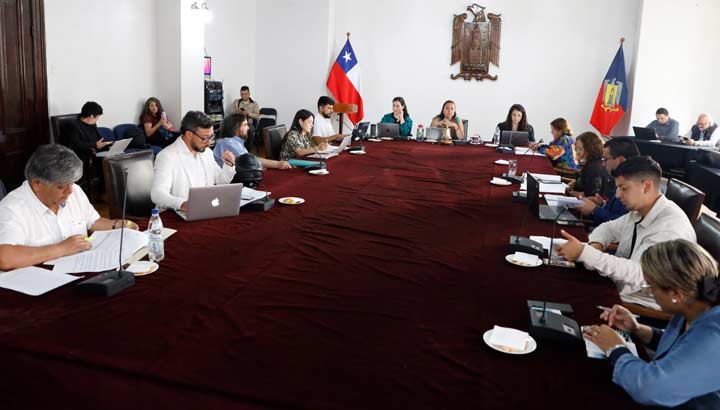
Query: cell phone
x,y
559,263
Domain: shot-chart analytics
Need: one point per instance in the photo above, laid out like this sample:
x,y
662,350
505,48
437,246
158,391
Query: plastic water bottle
x,y
156,247
420,132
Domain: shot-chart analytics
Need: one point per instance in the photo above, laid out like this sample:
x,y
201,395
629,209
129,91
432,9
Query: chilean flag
x,y
344,81
611,102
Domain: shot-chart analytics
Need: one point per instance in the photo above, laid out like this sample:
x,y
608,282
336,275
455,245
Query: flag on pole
x,y
344,81
611,102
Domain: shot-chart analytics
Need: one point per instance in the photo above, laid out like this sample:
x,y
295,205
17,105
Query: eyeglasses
x,y
606,159
204,139
646,286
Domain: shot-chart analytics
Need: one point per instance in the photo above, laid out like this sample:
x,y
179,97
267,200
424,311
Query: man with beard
x,y
187,163
323,127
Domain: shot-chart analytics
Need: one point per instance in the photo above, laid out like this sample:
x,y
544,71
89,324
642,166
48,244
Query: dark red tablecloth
x,y
375,293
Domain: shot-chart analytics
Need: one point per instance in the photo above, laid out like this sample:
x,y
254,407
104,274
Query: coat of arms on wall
x,y
476,44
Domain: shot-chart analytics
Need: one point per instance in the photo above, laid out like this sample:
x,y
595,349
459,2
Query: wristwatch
x,y
612,349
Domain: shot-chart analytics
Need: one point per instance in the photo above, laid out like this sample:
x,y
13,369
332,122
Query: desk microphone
x,y
323,164
111,282
262,204
522,243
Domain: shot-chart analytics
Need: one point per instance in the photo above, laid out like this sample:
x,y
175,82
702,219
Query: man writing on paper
x,y
651,219
187,163
48,216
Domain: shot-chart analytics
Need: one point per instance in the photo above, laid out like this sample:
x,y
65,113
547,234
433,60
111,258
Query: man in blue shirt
x,y
615,152
233,133
665,127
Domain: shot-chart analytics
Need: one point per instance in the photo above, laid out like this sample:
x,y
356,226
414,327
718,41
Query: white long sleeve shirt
x,y
712,141
665,222
177,170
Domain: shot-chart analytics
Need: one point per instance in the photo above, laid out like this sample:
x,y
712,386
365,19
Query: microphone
x,y
111,282
263,204
522,243
323,164
552,237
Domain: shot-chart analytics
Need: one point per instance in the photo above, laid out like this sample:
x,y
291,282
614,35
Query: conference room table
x,y
673,157
374,293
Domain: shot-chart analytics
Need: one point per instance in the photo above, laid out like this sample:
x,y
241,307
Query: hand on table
x,y
74,244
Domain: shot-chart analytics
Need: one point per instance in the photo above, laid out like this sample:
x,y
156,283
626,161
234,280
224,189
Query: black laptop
x,y
545,212
647,134
515,138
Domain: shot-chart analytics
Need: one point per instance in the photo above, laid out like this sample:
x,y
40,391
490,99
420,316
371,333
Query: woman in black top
x,y
594,178
516,121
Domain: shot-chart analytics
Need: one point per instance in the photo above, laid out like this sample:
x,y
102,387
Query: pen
x,y
605,308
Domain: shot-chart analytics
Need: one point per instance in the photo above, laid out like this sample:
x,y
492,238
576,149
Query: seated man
x,y
187,163
323,127
233,135
615,152
703,134
82,136
665,127
652,219
48,216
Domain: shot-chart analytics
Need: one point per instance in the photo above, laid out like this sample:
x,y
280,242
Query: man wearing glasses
x,y
187,163
615,152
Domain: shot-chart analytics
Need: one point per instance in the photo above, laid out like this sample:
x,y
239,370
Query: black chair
x,y
59,125
272,138
3,191
687,197
139,182
90,182
707,230
267,118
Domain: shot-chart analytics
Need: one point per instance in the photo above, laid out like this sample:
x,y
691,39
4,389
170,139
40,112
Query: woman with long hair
x,y
594,177
561,149
153,120
448,118
400,116
516,121
297,143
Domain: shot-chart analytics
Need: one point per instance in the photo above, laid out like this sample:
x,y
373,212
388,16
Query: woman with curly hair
x,y
594,178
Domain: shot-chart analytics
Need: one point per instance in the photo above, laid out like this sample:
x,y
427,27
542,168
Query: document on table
x,y
562,200
527,151
594,352
34,281
545,241
104,252
546,177
250,195
550,188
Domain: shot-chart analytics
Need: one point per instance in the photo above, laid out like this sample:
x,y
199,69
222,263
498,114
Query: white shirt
x,y
177,170
322,127
665,222
713,141
26,221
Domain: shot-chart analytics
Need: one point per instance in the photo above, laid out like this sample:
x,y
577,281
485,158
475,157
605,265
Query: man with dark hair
x,y
246,105
704,133
187,163
323,127
666,128
82,135
615,152
651,219
48,216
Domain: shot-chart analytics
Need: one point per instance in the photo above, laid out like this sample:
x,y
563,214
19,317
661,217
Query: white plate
x,y
510,259
142,268
374,139
358,152
475,143
502,162
491,145
291,200
529,347
319,172
504,182
387,138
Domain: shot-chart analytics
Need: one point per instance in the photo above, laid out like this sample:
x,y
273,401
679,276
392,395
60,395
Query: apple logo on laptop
x,y
215,203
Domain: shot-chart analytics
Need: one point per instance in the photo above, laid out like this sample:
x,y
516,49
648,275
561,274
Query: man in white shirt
x,y
187,163
651,219
704,133
323,127
48,216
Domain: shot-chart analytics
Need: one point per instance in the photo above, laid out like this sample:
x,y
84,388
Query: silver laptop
x,y
117,148
333,151
434,134
213,202
388,130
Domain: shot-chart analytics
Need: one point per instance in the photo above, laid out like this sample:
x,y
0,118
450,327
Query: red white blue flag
x,y
344,81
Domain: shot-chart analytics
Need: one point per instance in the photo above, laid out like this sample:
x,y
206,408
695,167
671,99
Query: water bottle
x,y
421,133
163,115
156,247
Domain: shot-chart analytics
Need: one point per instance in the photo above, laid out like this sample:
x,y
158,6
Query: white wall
x,y
192,57
168,56
553,57
103,51
677,61
230,41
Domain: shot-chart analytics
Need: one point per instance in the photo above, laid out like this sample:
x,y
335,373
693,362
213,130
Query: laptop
x,y
647,134
388,130
215,201
545,212
434,134
515,138
117,148
361,131
333,151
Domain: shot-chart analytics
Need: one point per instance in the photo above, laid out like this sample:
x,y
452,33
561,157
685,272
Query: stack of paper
x,y
509,339
562,200
250,195
104,254
34,281
527,151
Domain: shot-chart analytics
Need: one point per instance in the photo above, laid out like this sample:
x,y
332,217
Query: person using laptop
x,y
400,116
666,128
594,179
602,209
516,121
652,218
187,163
48,216
704,133
323,130
448,118
297,143
560,150
233,135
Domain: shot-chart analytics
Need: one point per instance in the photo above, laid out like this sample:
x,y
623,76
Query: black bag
x,y
138,137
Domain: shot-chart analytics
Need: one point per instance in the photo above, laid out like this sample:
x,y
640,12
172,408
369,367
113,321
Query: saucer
x,y
500,182
319,172
511,260
374,139
502,162
491,145
387,138
358,152
530,346
291,200
142,268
